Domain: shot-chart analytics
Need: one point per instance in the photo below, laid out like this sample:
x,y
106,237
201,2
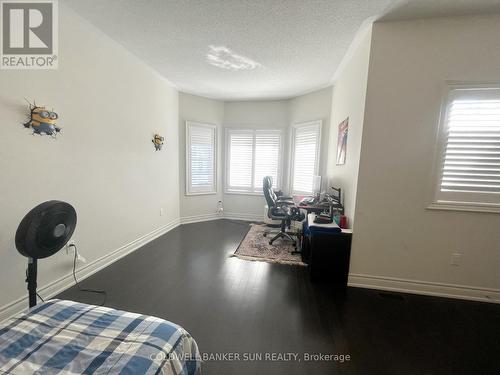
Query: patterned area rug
x,y
256,247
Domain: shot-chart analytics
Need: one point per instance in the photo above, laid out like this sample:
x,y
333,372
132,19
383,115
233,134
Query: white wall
x,y
199,109
103,162
397,241
348,100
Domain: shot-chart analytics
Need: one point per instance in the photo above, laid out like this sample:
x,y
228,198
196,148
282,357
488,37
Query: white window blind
x,y
267,157
470,163
240,161
200,158
252,155
306,143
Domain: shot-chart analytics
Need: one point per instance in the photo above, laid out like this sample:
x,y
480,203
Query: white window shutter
x,y
267,158
470,158
240,169
201,158
306,145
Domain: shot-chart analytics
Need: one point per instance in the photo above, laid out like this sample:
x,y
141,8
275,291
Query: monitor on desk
x,y
316,188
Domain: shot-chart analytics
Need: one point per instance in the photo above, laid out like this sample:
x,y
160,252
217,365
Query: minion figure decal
x,y
158,142
42,121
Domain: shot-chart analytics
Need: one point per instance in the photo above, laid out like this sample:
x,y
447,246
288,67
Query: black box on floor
x,y
328,256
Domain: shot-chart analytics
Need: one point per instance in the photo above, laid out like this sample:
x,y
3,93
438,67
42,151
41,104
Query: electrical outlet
x,y
220,207
162,211
455,259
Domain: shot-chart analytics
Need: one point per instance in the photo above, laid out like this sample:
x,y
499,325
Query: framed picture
x,y
342,141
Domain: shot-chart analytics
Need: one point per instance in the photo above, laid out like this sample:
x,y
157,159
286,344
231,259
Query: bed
x,y
65,337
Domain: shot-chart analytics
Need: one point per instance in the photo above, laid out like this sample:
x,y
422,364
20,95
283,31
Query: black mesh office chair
x,y
281,208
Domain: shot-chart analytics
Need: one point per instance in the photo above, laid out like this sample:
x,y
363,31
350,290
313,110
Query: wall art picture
x,y
158,142
342,141
42,121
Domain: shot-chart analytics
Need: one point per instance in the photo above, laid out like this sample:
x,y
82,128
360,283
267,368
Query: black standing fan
x,y
43,232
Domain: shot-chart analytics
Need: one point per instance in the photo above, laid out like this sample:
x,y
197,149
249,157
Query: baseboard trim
x,y
215,216
425,287
63,283
200,218
245,217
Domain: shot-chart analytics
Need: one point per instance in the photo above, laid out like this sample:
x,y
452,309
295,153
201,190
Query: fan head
x,y
46,229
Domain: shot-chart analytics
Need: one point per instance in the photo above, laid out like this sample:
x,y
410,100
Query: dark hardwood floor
x,y
234,306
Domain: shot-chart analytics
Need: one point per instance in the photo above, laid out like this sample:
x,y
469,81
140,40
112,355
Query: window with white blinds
x,y
200,158
306,144
470,148
250,156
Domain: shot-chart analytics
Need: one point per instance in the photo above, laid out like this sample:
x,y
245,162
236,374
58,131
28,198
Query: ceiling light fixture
x,y
222,57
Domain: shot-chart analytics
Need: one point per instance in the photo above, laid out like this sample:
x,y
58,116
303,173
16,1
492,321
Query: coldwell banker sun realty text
x,y
29,37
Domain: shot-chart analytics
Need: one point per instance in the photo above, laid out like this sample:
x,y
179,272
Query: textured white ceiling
x,y
249,49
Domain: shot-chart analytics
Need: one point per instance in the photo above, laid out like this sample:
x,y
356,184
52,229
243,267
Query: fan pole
x,y
31,280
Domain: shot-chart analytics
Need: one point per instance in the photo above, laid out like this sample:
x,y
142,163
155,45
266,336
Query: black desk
x,y
327,255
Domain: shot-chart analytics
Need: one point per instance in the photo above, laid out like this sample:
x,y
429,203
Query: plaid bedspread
x,y
64,337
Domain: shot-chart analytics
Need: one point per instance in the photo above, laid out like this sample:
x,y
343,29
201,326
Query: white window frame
x,y
319,124
456,201
277,184
189,189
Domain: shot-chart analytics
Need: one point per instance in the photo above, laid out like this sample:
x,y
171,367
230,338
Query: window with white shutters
x,y
306,144
250,156
200,158
469,163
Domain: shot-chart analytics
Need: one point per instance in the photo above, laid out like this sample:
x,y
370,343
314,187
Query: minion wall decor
x,y
158,142
42,121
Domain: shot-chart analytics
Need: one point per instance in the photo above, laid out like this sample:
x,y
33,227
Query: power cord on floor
x,y
96,291
39,296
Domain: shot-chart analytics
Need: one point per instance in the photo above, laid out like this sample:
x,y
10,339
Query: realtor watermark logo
x,y
29,34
